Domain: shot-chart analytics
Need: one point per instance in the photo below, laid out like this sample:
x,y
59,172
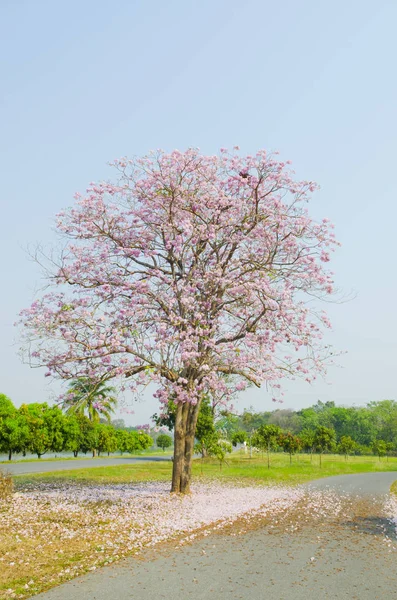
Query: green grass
x,y
393,488
150,471
238,468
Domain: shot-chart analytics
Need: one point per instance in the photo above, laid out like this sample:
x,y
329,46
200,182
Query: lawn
x,y
239,467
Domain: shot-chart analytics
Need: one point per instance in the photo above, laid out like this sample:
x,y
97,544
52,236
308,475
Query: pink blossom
x,y
189,272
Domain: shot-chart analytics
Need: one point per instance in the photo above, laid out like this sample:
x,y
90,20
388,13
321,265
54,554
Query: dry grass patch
x,y
6,486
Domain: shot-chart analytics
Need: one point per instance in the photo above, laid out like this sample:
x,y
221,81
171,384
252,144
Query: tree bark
x,y
10,454
185,429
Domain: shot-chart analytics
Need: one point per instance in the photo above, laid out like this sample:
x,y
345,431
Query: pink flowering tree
x,y
186,269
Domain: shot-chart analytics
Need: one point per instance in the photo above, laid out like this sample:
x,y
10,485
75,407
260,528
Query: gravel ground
x,y
348,556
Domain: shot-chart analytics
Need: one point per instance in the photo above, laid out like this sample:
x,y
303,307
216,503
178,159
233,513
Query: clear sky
x,y
83,82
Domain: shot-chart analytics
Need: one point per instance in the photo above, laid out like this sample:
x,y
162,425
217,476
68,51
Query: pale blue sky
x,y
85,82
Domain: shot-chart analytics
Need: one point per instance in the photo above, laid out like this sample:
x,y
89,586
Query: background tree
x,y
206,433
39,441
379,447
307,437
213,446
346,446
87,396
6,406
219,450
54,422
164,441
167,417
362,427
389,449
145,441
251,420
122,437
290,444
384,415
14,432
72,435
107,439
186,269
138,441
324,440
228,423
267,438
286,419
239,437
88,434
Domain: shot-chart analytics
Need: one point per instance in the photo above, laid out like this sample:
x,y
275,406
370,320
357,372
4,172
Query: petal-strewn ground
x,y
50,533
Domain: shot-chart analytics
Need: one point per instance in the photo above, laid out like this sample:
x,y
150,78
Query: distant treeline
x,y
372,428
39,428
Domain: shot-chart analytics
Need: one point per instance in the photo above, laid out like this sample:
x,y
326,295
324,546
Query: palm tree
x,y
95,398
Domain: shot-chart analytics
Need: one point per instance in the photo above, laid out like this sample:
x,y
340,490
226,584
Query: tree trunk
x,y
185,428
10,454
268,457
290,459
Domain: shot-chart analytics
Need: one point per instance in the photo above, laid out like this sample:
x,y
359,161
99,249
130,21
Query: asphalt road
x,y
343,561
362,484
42,466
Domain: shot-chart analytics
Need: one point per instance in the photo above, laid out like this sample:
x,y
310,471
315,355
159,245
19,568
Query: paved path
x,y
363,484
351,562
42,466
